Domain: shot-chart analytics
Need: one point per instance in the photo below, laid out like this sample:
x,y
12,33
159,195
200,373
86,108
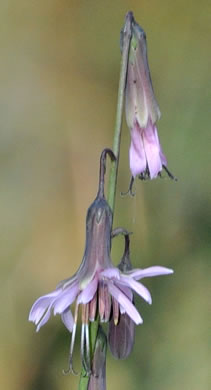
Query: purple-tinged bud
x,y
140,101
121,337
121,334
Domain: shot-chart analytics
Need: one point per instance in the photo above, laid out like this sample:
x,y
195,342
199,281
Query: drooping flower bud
x,y
146,156
140,102
121,335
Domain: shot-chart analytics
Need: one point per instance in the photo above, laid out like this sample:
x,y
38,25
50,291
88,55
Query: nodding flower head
x,y
98,287
145,155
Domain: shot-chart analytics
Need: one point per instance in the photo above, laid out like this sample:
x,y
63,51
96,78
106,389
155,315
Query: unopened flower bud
x,y
121,334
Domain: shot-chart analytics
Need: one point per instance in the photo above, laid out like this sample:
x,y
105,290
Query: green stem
x,y
84,380
93,330
119,113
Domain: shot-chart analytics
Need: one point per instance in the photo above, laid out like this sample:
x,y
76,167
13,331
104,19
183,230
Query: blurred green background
x,y
59,74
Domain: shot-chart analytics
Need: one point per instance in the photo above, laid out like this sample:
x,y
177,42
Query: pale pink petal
x,y
67,282
66,298
125,289
67,319
122,310
162,156
138,288
110,273
45,318
41,305
87,294
149,272
137,155
152,150
125,303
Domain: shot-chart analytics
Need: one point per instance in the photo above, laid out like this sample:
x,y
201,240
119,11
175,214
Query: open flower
x,y
106,286
97,286
146,157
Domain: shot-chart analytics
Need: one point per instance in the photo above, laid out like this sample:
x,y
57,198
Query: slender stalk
x,y
126,35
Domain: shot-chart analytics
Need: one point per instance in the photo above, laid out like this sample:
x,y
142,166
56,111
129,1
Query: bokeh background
x,y
59,73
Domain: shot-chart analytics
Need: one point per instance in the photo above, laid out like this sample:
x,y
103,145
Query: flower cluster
x,y
98,286
103,292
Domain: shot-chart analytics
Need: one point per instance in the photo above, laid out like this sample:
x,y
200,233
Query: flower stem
x,y
126,36
93,330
